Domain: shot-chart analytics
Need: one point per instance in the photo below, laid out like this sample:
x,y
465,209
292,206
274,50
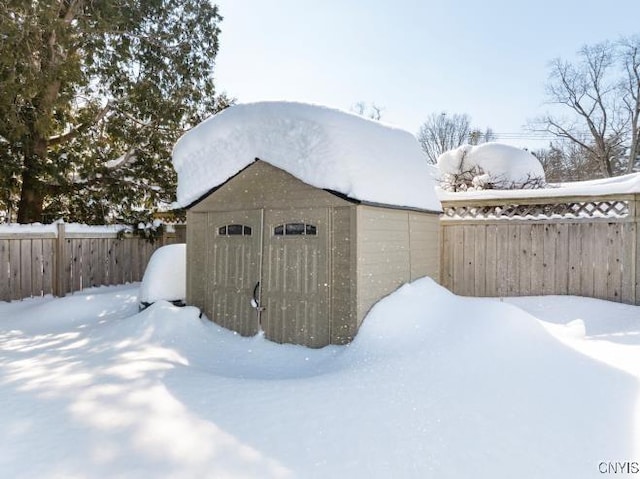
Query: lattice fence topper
x,y
577,209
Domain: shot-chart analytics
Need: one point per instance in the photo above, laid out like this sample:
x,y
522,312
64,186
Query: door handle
x,y
254,300
255,294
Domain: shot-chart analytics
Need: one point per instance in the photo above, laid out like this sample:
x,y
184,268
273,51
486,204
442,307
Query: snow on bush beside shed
x,y
165,276
493,165
322,147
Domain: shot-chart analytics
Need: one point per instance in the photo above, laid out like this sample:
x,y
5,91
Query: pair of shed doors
x,y
271,273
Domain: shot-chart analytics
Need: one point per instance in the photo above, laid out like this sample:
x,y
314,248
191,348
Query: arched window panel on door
x,y
234,230
295,229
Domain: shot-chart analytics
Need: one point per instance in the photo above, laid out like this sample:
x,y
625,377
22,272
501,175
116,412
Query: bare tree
x,y
477,136
598,123
629,54
442,132
566,161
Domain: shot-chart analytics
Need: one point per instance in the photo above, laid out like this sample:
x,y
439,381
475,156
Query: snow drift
x,y
435,385
323,147
494,165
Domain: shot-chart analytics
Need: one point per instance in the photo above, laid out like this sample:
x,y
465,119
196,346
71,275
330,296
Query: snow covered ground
x,y
435,385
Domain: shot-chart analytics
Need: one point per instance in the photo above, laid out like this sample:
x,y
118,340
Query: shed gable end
x,y
263,185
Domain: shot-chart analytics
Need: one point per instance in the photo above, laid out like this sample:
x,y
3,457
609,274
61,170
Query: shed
x,y
310,217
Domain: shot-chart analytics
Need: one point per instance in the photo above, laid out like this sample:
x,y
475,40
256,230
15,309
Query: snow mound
x,y
323,147
434,385
618,184
625,184
165,276
495,164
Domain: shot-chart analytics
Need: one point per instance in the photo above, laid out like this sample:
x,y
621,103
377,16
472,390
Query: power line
x,y
537,136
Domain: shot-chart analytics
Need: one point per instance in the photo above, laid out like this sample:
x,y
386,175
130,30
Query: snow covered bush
x,y
165,276
489,166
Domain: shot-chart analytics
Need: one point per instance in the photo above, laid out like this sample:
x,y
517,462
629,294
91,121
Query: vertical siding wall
x,y
37,264
424,238
343,280
593,254
197,259
388,251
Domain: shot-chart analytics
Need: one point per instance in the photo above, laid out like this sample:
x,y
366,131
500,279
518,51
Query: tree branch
x,y
64,138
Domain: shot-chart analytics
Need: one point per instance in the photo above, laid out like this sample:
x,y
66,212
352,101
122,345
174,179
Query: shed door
x,y
295,276
234,252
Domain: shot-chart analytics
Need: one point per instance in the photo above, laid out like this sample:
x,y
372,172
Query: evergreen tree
x,y
93,95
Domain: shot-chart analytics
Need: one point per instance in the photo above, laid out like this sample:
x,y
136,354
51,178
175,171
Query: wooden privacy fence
x,y
61,261
584,245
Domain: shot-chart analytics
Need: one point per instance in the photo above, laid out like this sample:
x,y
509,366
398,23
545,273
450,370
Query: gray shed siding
x,y
196,259
424,244
344,324
264,186
394,246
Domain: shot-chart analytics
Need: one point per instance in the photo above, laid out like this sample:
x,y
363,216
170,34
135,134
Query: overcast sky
x,y
488,58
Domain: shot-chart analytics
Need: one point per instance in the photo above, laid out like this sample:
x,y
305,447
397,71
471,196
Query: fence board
x,y
575,261
468,252
149,248
76,264
614,280
5,290
513,260
84,253
48,252
120,262
537,258
479,257
561,263
491,262
502,244
36,267
601,266
458,258
524,260
127,272
636,251
549,258
446,271
110,264
25,268
14,270
586,263
100,260
627,289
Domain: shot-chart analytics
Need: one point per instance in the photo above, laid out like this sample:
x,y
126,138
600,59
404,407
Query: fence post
x,y
635,264
60,260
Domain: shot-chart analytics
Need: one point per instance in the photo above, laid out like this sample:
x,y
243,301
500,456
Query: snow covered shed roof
x,y
326,148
